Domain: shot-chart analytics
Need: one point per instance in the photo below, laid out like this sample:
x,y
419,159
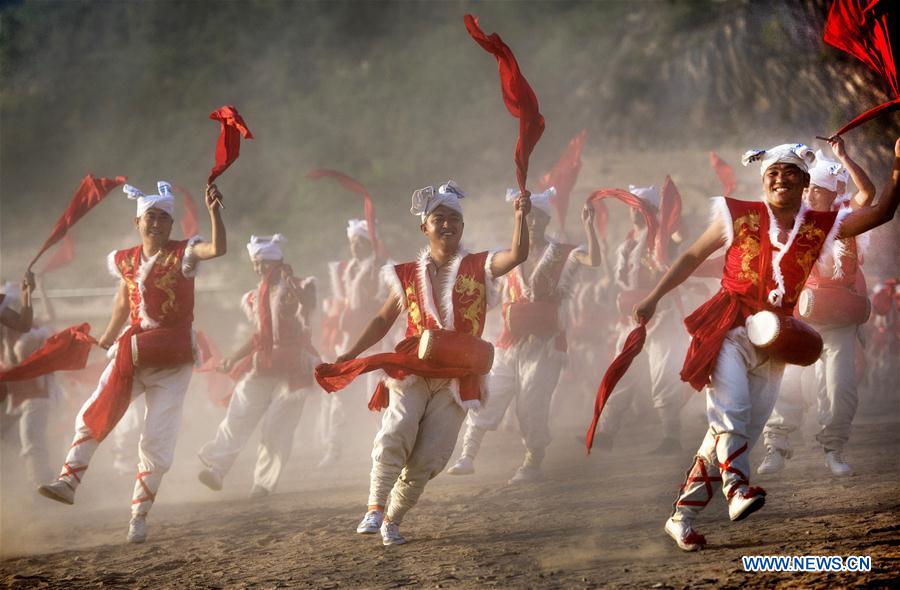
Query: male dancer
x,y
277,364
532,345
835,373
771,248
153,356
445,288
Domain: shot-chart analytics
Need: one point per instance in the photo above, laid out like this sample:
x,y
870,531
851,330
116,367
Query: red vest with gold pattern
x,y
158,293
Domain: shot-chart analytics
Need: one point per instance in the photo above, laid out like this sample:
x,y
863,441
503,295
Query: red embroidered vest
x,y
160,296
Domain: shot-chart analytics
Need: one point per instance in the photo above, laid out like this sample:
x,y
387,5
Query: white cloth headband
x,y
425,200
357,227
827,173
266,247
648,194
797,154
165,200
539,200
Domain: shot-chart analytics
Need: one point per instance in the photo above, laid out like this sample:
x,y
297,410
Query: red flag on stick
x,y
563,176
634,343
353,185
863,28
228,147
189,226
64,351
520,99
63,256
90,192
725,174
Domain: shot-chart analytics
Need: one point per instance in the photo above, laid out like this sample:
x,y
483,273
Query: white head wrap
x,y
266,247
540,201
357,227
165,200
797,154
425,200
827,173
648,194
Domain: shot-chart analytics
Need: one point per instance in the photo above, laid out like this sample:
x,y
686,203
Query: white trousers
x,y
527,372
834,386
125,436
257,398
163,391
417,436
739,400
28,421
663,354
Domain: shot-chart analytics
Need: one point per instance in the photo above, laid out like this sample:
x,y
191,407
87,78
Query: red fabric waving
x,y
353,185
520,100
632,201
866,29
220,387
634,343
113,400
724,172
64,351
63,256
90,192
669,217
228,147
563,176
189,226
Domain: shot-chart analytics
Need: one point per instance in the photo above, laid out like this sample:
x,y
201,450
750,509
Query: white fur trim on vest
x,y
492,296
834,247
391,282
355,294
111,265
142,273
718,211
447,287
776,296
427,304
189,263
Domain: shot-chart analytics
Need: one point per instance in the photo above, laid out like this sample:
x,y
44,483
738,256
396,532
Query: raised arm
x,y
862,220
118,318
21,321
217,246
865,187
376,330
506,260
710,241
593,255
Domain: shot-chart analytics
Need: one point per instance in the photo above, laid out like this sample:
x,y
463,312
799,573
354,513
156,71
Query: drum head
x,y
805,303
425,344
763,328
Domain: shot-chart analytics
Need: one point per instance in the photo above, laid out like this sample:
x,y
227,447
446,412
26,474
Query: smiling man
x,y
153,356
771,249
446,289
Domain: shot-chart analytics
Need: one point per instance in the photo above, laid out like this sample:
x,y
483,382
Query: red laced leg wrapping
x,y
142,492
697,484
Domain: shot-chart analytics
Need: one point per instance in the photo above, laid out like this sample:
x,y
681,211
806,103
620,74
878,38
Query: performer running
x,y
835,280
532,345
771,248
354,296
636,271
154,354
446,288
277,362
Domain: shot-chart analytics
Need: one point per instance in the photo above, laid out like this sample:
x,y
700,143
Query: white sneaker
x,y
773,462
390,534
745,502
836,463
684,535
371,522
210,479
59,491
137,529
527,473
463,466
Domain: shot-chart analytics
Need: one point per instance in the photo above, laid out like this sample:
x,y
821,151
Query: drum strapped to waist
x,y
457,350
533,318
784,338
162,347
626,300
830,306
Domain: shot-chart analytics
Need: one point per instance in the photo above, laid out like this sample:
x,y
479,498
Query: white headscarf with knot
x,y
648,194
266,247
827,173
357,227
165,200
539,200
425,200
797,154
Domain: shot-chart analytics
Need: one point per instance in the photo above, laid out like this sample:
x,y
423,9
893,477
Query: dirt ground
x,y
593,522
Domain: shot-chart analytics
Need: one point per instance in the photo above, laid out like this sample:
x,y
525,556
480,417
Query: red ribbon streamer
x,y
353,185
189,225
63,256
518,96
90,192
632,201
64,351
724,172
228,147
563,176
633,346
862,29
